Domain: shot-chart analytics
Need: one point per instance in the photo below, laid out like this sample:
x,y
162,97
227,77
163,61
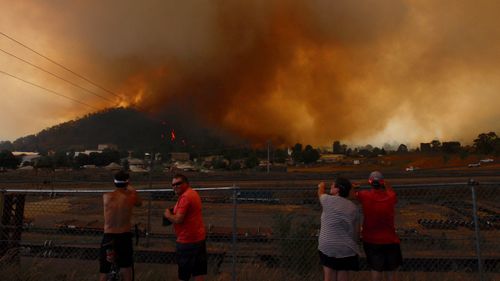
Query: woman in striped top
x,y
339,233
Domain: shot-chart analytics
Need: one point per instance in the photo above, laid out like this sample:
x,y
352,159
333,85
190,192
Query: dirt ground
x,y
296,193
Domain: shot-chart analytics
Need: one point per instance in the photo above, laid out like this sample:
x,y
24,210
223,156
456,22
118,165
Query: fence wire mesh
x,y
260,234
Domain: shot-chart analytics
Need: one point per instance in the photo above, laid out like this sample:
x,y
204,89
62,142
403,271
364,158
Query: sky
x,y
311,71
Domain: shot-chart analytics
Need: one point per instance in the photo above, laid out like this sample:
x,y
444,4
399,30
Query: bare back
x,y
118,207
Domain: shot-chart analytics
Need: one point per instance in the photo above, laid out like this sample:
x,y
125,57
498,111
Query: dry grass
x,y
400,162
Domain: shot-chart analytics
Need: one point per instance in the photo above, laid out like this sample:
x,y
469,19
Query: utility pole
x,y
268,156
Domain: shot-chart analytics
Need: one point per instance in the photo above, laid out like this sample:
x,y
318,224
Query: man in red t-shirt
x,y
191,250
380,241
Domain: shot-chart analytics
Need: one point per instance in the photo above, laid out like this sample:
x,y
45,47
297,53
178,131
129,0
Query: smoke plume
x,y
360,71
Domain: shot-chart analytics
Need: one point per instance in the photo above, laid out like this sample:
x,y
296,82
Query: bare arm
x,y
321,189
136,199
177,218
353,191
388,186
390,190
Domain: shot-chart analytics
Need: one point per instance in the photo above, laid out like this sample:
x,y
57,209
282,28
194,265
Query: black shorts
x,y
122,244
383,257
191,259
346,264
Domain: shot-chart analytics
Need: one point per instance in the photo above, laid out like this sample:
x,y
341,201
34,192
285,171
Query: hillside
x,y
127,128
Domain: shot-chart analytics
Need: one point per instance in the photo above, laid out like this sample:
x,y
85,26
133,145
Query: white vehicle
x,y
472,165
488,160
411,168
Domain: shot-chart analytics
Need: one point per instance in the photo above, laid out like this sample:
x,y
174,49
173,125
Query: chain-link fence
x,y
252,234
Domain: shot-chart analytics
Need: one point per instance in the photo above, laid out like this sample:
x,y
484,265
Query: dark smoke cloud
x,y
362,71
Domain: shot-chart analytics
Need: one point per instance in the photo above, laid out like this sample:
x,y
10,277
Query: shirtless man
x,y
118,207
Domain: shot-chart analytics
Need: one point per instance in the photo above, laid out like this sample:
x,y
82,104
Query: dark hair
x,y
121,179
344,186
376,184
182,177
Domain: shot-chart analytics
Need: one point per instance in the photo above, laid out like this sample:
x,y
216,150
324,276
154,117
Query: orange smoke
x,y
359,71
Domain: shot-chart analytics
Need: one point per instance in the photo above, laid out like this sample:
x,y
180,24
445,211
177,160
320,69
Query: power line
x,y
62,66
57,76
48,90
67,69
71,71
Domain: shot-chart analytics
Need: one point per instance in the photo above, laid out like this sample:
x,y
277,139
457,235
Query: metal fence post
x,y
150,179
235,232
11,225
3,232
2,196
473,184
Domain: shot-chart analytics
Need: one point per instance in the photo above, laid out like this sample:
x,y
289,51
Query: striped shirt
x,y
338,235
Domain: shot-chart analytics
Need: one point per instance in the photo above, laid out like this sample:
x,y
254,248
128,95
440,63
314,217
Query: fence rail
x,y
268,234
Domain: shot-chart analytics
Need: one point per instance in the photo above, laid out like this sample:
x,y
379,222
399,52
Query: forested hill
x,y
124,127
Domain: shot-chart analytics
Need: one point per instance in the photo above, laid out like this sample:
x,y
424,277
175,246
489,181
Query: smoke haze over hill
x,y
360,71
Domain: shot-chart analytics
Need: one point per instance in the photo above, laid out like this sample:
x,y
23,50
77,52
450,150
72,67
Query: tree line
x,y
239,157
485,143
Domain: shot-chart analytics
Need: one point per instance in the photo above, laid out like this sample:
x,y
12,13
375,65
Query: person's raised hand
x,y
355,185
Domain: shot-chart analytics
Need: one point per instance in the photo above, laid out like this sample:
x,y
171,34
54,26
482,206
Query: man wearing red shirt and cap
x,y
191,250
380,241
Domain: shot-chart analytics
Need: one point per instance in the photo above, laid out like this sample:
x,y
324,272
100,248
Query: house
x,y
137,165
179,156
331,158
113,166
137,169
136,162
104,146
26,157
184,166
26,167
100,148
87,152
211,157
